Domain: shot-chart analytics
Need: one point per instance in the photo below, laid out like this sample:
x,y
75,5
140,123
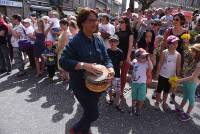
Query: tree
x,y
145,4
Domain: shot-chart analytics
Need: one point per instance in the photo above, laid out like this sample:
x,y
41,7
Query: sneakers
x,y
185,117
119,108
22,73
165,107
132,110
154,95
138,112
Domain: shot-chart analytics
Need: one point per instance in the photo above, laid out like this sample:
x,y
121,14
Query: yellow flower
x,y
172,82
185,37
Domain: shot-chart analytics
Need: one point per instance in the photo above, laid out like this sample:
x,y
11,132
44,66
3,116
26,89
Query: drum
x,y
98,83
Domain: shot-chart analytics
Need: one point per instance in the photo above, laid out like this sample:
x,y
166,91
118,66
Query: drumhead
x,y
100,77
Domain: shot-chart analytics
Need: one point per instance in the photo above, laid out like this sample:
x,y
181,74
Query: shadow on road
x,y
110,120
151,121
55,93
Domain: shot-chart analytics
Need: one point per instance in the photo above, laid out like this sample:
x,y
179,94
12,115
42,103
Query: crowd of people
x,y
135,47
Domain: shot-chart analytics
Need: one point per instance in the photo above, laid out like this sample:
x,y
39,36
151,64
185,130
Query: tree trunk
x,y
132,5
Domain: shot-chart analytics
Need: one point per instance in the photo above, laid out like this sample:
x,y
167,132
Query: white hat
x,y
27,20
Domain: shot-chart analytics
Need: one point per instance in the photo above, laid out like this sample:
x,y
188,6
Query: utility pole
x,y
23,4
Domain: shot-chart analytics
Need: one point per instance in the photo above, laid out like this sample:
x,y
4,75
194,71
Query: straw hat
x,y
196,47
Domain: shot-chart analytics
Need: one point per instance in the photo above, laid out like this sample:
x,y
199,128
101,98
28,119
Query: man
x,y
29,30
166,20
18,34
5,62
106,29
145,23
155,26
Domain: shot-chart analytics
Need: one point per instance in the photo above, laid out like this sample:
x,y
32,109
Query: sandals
x,y
165,107
119,108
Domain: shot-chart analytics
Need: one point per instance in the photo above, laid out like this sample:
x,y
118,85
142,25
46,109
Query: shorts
x,y
163,85
139,91
115,86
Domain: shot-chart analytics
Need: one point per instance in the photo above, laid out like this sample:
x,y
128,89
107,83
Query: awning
x,y
68,13
40,8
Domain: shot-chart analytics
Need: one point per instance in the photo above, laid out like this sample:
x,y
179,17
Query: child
x,y
116,56
169,65
50,58
56,25
141,64
191,73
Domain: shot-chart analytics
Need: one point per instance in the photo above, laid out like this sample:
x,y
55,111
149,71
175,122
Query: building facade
x,y
185,4
9,8
41,7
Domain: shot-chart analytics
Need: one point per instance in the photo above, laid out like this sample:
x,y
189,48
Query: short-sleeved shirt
x,y
139,71
169,20
124,41
51,56
29,30
19,29
116,57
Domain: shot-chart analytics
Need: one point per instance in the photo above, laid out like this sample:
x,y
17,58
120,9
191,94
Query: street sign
x,y
11,3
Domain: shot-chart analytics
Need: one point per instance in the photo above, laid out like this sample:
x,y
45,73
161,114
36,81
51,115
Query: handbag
x,y
24,45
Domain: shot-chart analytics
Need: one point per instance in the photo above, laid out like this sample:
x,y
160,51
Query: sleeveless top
x,y
168,68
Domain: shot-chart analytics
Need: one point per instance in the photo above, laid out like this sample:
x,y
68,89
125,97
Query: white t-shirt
x,y
55,22
20,29
30,30
109,28
139,72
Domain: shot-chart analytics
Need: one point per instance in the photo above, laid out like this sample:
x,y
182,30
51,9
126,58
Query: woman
x,y
73,28
177,30
126,45
147,42
39,47
191,73
63,40
78,57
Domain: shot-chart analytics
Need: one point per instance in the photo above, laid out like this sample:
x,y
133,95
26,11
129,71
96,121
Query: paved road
x,y
34,106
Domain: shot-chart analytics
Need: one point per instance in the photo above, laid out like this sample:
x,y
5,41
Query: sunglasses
x,y
176,19
113,40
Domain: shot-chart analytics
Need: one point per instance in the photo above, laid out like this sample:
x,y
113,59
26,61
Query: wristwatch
x,y
81,65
